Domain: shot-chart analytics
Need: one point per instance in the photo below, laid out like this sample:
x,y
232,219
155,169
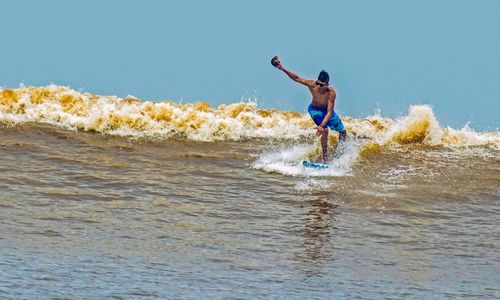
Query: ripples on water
x,y
91,216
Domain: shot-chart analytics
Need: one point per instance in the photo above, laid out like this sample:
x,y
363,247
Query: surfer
x,y
321,107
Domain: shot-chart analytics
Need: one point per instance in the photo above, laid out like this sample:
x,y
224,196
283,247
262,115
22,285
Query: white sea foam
x,y
288,160
67,108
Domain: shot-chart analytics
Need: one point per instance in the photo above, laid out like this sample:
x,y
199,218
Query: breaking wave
x,y
63,107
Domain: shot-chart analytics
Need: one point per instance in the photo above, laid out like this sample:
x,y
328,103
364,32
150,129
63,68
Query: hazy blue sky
x,y
383,54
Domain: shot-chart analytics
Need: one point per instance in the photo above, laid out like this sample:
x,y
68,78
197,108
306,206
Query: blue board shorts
x,y
318,115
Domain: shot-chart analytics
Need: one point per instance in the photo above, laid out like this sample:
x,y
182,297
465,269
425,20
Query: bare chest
x,y
319,97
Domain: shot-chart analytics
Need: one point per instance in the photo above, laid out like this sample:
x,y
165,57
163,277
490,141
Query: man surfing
x,y
321,107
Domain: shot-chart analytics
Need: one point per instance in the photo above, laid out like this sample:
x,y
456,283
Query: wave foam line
x,y
67,108
61,106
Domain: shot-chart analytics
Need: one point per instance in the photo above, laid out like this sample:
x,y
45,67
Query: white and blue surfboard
x,y
309,164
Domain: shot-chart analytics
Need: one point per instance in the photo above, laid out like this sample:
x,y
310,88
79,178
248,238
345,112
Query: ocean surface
x,y
110,198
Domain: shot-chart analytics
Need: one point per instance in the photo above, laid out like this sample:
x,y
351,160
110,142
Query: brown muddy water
x,y
92,216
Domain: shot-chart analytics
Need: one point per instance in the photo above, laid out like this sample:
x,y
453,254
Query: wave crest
x,y
67,108
64,107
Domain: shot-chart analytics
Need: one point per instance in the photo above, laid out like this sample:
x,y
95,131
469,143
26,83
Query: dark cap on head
x,y
323,76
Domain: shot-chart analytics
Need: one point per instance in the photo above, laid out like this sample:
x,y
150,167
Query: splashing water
x,y
288,161
66,108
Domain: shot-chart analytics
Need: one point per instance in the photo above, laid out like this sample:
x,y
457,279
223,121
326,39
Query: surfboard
x,y
309,164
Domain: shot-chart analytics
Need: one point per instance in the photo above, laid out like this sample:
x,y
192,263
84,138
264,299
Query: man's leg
x,y
324,145
342,136
339,149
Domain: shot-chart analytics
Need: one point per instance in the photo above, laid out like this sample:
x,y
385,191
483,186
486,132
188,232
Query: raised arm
x,y
275,62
